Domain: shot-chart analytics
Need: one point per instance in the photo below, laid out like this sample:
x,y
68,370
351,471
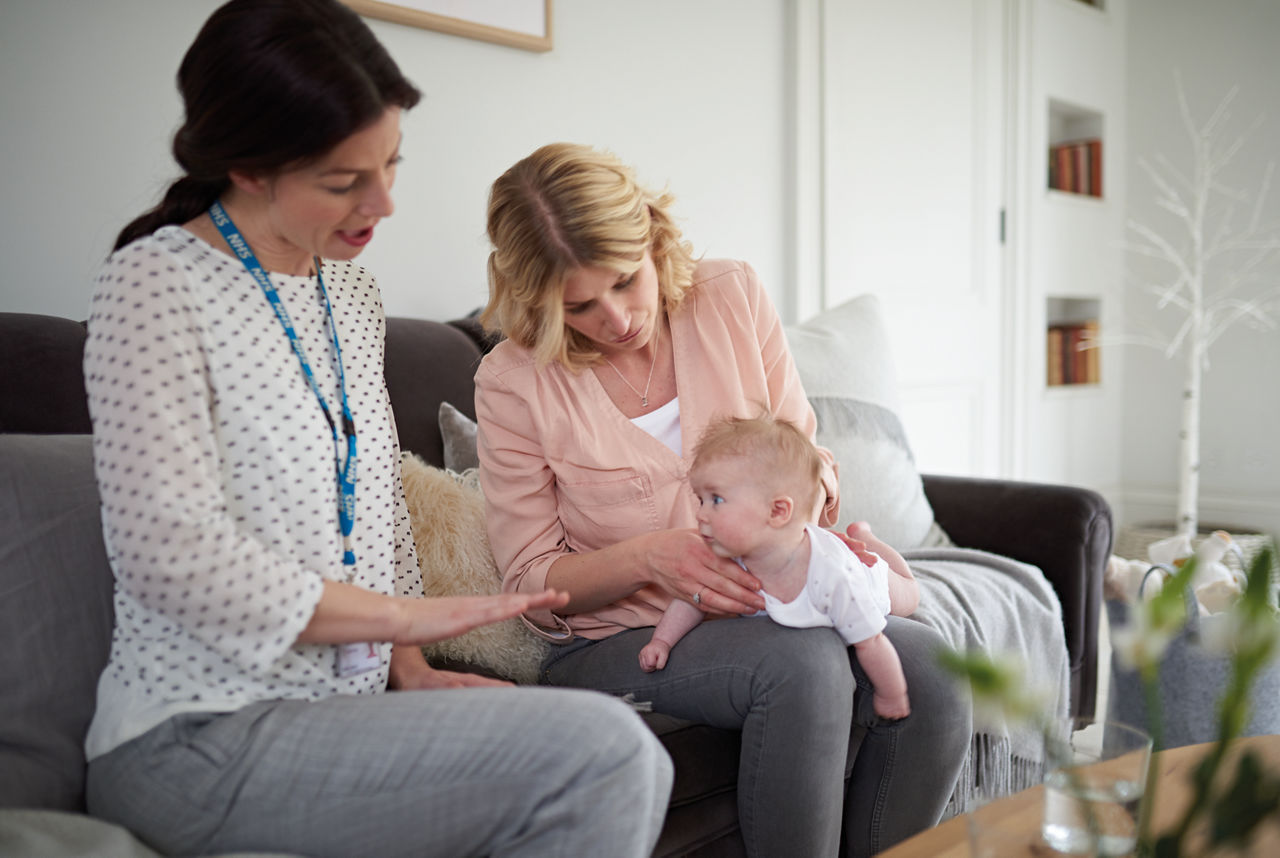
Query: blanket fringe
x,y
991,770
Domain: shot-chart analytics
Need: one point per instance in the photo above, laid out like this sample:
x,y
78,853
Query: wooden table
x,y
1020,815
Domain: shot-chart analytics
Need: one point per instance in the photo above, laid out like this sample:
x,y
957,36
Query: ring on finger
x,y
697,598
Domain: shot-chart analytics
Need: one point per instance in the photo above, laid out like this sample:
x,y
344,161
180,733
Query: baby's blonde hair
x,y
779,452
565,207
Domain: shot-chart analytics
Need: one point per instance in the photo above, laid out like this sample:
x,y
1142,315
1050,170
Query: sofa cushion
x,y
428,363
844,361
56,612
459,434
702,817
56,834
42,386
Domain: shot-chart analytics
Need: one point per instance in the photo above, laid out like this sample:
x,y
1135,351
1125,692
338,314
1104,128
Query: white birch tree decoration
x,y
1214,269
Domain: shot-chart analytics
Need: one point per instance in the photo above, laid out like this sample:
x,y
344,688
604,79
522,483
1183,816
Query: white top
x,y
840,591
216,469
663,423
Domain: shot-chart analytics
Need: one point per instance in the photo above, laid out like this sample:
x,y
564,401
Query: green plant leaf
x,y
1250,798
1167,846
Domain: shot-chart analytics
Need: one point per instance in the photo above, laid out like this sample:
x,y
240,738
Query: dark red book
x,y
1095,167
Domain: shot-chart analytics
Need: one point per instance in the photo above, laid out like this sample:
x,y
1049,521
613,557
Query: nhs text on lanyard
x,y
346,471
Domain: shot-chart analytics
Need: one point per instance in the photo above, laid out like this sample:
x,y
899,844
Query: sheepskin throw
x,y
446,511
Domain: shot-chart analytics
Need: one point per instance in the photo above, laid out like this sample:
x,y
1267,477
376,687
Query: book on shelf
x,y
1071,354
1053,356
1076,166
1092,353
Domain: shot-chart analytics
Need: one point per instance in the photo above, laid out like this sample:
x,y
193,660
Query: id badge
x,y
355,658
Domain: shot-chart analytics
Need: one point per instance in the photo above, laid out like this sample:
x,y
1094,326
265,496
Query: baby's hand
x,y
859,548
654,656
856,538
891,707
859,530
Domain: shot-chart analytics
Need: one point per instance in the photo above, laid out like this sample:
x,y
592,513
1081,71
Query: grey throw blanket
x,y
977,600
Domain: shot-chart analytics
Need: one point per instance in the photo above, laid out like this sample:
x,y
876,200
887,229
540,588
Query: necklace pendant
x,y
644,402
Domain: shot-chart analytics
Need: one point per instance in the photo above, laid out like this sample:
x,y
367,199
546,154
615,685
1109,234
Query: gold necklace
x,y
644,397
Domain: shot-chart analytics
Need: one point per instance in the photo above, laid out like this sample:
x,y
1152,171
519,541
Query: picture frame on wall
x,y
522,24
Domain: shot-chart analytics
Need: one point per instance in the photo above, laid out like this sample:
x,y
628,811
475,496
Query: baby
x,y
758,482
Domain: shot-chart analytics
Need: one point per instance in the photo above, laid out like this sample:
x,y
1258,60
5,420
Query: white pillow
x,y
844,361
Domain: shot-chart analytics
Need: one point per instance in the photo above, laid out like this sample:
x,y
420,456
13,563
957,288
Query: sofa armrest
x,y
1064,530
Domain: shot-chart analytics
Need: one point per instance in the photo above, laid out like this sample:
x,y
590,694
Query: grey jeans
x,y
798,695
525,771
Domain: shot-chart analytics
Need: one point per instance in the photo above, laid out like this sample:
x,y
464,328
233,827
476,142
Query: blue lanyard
x,y
346,471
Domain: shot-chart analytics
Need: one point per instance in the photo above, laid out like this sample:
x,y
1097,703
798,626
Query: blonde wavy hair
x,y
779,453
565,207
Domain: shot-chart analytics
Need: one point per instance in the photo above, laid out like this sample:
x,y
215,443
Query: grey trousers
x,y
499,772
798,695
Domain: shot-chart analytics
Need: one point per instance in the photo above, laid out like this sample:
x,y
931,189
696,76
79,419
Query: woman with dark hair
x,y
267,592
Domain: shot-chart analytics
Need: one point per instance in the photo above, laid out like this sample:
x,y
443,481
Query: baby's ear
x,y
780,510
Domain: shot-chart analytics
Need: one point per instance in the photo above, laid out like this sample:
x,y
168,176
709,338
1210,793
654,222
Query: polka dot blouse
x,y
216,469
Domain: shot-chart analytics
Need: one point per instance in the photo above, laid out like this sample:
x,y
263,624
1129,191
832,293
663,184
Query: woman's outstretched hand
x,y
682,564
435,619
350,614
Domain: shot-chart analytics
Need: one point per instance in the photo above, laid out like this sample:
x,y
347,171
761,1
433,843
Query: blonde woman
x,y
620,349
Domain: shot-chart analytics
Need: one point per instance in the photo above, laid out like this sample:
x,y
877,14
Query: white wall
x,y
1215,46
692,94
713,97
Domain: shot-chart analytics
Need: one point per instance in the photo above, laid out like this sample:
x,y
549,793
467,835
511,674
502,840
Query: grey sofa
x,y
55,585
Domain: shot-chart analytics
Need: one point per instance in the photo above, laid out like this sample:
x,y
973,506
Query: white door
x,y
913,161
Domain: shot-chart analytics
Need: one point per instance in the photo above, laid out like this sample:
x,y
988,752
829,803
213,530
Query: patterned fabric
x,y
216,469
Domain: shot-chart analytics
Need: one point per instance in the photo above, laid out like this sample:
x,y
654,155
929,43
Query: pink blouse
x,y
563,470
